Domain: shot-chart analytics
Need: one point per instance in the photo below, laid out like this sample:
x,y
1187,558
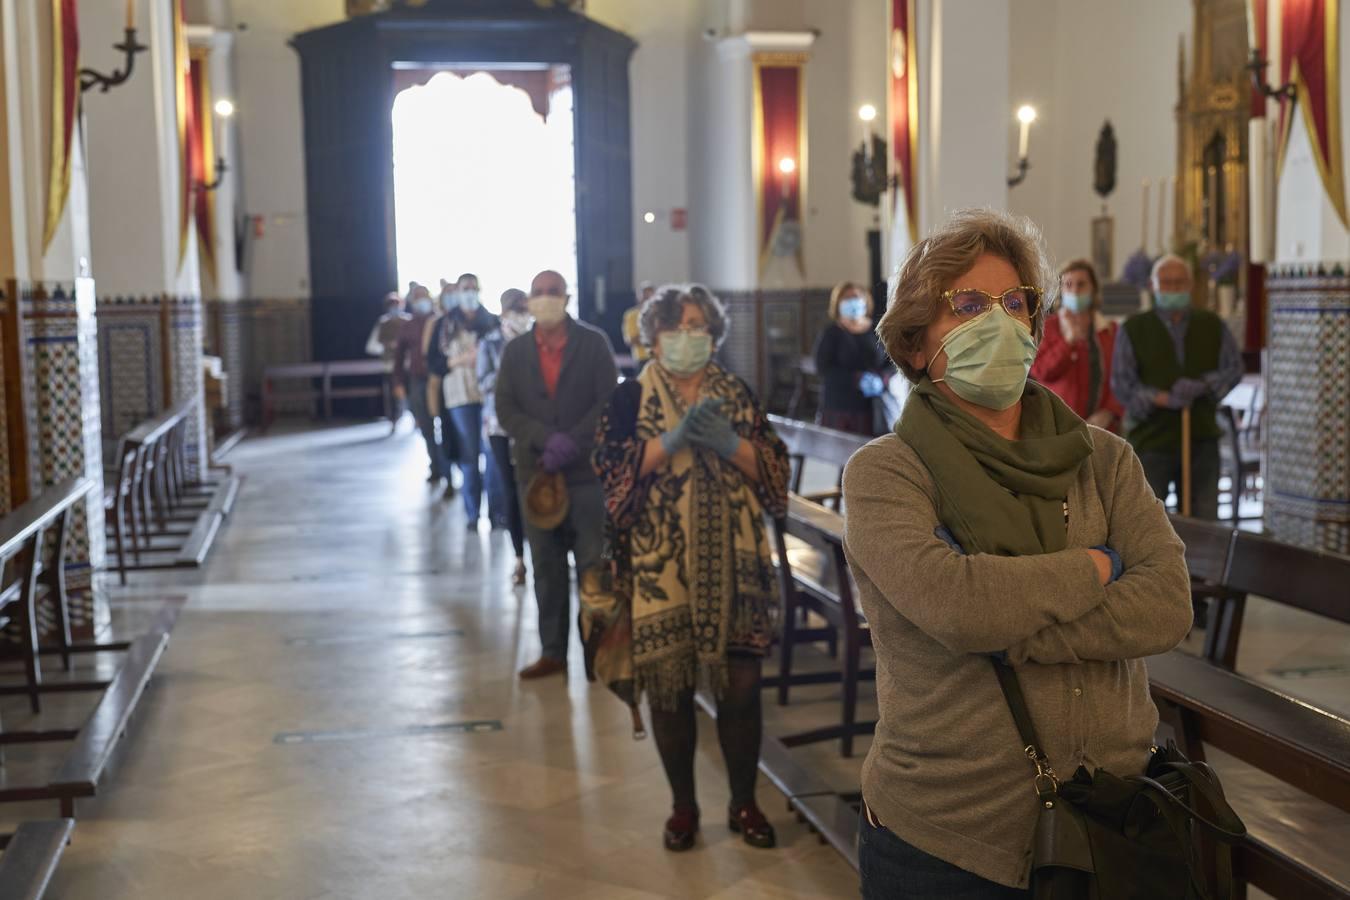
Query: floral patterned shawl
x,y
688,539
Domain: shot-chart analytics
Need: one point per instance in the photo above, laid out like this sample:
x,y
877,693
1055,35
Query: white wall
x,y
270,137
659,78
1081,62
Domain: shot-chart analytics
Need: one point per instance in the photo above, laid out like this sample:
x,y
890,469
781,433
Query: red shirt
x,y
1066,369
551,357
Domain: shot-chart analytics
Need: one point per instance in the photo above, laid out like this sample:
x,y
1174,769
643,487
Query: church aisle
x,y
288,745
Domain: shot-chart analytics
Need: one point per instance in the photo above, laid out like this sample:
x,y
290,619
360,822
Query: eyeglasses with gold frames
x,y
1021,302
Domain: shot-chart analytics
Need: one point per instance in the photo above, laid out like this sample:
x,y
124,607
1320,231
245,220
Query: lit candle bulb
x,y
131,15
1025,115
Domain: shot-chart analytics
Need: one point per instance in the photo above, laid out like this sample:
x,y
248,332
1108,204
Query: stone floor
x,y
302,737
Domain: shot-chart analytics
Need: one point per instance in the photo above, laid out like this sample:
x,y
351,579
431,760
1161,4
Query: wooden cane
x,y
1185,498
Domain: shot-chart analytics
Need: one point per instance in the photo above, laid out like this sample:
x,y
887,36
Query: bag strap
x,y
1045,782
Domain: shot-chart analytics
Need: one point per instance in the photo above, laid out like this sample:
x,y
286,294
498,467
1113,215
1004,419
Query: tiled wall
x,y
60,394
143,343
1307,474
250,335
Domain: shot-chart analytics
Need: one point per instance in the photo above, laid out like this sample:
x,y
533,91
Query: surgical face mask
x,y
685,352
988,359
514,323
422,305
853,308
1078,303
468,300
449,299
548,309
1172,300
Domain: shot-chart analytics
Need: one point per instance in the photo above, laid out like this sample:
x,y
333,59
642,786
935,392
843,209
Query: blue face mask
x,y
422,306
852,308
1172,300
468,300
1078,303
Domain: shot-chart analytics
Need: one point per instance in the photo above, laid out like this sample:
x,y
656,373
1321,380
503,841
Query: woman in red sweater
x,y
1074,359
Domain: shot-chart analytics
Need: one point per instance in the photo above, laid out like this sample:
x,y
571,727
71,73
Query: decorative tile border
x,y
1307,438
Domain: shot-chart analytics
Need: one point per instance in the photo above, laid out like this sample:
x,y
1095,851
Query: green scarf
x,y
995,495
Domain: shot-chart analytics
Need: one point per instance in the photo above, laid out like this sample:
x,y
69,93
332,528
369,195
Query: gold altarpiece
x,y
1213,106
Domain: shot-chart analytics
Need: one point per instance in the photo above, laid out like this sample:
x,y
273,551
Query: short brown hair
x,y
1082,265
946,254
664,310
844,289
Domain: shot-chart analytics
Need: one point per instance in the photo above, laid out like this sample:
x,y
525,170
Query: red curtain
x,y
780,110
1310,58
904,107
1254,336
65,96
183,92
202,162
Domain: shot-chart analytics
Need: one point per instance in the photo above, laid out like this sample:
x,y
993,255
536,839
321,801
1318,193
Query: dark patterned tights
x,y
740,724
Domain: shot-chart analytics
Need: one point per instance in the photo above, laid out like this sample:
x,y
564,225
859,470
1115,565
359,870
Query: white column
x,y
964,152
135,184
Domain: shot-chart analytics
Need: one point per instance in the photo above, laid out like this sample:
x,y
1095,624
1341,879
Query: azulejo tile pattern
x,y
1308,410
62,401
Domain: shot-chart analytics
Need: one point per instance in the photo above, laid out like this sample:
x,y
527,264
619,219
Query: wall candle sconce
x,y
787,166
129,47
1025,115
1257,66
224,108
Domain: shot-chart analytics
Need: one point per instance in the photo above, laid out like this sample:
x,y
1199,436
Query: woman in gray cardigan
x,y
995,523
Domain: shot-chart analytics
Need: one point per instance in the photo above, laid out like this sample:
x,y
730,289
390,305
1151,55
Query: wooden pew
x,y
30,858
820,582
22,535
325,373
834,448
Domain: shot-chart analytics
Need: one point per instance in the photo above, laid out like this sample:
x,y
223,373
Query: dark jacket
x,y
529,415
842,358
447,326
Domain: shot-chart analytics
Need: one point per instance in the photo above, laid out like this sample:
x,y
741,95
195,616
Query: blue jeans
x,y
1163,467
582,533
468,424
894,870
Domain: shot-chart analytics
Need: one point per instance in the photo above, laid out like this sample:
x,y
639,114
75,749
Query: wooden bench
x,y
815,577
30,858
172,518
324,373
815,442
22,535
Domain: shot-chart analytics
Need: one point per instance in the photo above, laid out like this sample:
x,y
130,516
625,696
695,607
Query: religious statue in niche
x,y
1104,182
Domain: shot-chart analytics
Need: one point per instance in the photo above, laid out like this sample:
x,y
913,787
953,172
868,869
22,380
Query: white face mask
x,y
548,309
514,323
422,305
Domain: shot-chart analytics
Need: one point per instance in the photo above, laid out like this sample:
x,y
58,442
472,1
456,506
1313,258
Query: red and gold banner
x,y
1254,336
1310,59
780,154
904,111
202,160
65,99
182,84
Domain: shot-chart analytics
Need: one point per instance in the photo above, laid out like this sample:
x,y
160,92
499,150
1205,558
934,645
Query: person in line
x,y
383,342
1074,359
411,378
851,363
551,387
515,321
1167,359
631,330
690,466
453,358
995,523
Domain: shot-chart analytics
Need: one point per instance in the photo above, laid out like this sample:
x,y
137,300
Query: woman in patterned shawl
x,y
690,466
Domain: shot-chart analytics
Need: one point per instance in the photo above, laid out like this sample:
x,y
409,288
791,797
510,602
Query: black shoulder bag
x,y
1165,834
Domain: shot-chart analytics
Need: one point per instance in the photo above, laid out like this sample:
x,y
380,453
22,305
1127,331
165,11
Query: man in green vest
x,y
1165,360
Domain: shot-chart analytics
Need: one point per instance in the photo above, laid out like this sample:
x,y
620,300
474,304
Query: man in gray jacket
x,y
553,383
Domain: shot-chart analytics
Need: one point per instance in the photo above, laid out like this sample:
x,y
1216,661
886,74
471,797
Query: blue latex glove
x,y
1117,567
559,451
871,384
713,430
943,532
677,438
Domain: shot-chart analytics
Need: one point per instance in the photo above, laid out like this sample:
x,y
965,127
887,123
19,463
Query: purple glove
x,y
559,450
1186,391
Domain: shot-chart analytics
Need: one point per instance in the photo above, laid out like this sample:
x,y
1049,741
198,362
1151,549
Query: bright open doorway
x,y
484,179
